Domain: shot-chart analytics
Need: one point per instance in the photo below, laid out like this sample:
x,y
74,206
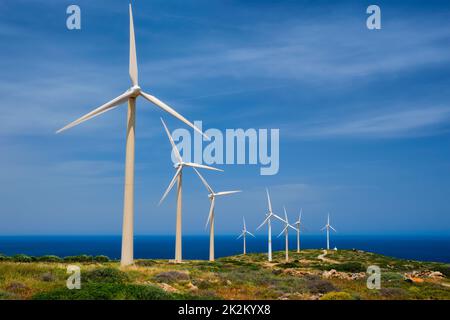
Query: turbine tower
x,y
267,220
286,233
328,227
212,197
178,178
243,236
298,224
129,96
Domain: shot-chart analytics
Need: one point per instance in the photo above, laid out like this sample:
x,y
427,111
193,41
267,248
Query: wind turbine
x,y
243,235
298,224
212,197
129,96
328,227
286,233
178,178
267,220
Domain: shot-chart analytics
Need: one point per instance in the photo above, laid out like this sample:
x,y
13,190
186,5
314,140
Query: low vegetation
x,y
341,276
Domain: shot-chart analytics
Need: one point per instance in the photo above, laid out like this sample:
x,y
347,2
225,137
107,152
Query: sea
x,y
425,248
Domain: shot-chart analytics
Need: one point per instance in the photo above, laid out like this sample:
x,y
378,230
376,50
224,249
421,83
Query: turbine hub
x,y
135,90
178,164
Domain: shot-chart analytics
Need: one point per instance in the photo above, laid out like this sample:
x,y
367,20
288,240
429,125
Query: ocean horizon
x,y
425,248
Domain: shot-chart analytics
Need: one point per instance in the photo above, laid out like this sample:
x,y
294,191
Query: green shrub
x,y
22,258
49,258
337,296
4,258
145,263
101,258
319,286
444,269
171,276
6,295
105,275
349,267
288,265
80,258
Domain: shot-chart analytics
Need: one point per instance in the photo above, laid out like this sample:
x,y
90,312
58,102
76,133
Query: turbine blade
x,y
211,209
245,228
264,222
133,60
292,227
240,236
282,231
268,200
171,184
103,108
223,193
204,181
196,165
285,214
333,229
174,147
251,234
323,228
171,111
279,218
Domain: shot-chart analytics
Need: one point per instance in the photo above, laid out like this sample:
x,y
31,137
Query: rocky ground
x,y
310,274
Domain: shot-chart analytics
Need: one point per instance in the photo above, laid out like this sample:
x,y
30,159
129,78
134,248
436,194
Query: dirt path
x,y
322,258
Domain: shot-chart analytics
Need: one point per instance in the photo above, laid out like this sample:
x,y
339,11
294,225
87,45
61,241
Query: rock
x,y
358,276
228,283
296,272
419,276
192,287
285,296
330,274
343,275
410,278
167,287
436,275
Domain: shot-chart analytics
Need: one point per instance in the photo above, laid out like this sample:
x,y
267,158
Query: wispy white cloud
x,y
309,52
390,124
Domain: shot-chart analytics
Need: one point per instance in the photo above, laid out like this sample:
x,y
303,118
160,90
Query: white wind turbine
x,y
178,178
243,235
212,197
286,233
298,224
328,227
267,220
129,96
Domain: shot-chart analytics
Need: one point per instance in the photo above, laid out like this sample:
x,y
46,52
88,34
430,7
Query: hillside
x,y
309,275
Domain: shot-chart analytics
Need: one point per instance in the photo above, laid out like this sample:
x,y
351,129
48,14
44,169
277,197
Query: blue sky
x,y
364,116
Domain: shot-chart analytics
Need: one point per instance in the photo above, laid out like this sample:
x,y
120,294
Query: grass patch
x,y
111,291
